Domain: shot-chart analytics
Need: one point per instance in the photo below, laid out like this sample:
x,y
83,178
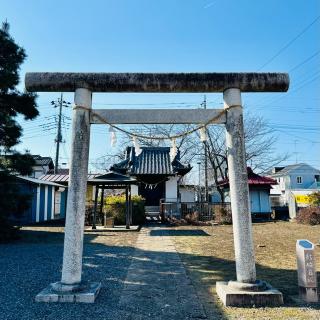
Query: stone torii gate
x,y
246,290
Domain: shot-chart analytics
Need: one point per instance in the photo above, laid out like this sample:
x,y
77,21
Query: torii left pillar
x,y
71,288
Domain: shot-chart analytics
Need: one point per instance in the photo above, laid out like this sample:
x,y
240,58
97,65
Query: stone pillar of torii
x,y
246,290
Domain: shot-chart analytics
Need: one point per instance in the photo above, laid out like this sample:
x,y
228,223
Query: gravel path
x,y
29,265
141,279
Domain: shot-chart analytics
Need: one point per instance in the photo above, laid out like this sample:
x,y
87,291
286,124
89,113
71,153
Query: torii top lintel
x,y
156,82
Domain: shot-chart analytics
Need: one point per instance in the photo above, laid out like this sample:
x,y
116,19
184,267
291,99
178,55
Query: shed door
x,y
255,202
57,202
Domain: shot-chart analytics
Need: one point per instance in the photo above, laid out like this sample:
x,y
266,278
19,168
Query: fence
x,y
205,210
117,211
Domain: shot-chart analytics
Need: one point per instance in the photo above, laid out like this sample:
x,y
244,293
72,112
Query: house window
x,y
299,180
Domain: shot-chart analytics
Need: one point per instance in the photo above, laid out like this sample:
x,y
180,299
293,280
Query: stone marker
x,y
307,275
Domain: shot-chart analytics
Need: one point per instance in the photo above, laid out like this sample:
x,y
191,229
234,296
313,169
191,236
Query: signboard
x,y
302,199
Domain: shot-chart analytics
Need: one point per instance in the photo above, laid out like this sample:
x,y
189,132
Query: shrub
x,y
89,213
7,231
309,215
223,216
315,198
115,206
192,217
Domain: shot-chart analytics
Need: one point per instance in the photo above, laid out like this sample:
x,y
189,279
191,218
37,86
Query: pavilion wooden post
x,y
95,208
101,203
105,218
130,206
127,209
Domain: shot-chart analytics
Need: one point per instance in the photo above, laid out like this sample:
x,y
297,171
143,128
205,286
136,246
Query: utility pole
x,y
199,182
206,190
59,103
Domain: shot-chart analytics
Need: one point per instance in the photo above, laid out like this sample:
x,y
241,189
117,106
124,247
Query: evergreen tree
x,y
12,103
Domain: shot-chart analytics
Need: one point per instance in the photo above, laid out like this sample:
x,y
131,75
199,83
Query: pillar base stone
x,y
86,292
308,294
233,295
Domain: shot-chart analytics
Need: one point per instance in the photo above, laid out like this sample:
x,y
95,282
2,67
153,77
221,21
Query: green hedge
x,y
115,206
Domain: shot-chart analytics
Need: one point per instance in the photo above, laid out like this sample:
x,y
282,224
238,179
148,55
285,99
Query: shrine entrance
x,y
246,289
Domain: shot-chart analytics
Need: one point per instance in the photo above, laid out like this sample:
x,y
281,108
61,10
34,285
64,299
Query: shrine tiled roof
x,y
151,161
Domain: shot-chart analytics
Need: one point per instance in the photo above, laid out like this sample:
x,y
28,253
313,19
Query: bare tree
x,y
259,139
260,154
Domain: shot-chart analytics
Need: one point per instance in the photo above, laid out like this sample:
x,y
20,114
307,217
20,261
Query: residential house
x,y
295,182
43,165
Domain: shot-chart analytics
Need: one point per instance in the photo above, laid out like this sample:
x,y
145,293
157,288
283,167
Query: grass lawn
x,y
208,255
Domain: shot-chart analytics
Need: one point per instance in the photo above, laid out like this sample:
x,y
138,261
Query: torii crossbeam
x,y
246,290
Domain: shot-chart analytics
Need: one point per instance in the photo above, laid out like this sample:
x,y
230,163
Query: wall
x,y
26,216
39,171
134,190
187,195
307,179
171,189
63,203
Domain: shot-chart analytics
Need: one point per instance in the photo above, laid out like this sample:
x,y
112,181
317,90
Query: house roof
x,y
39,181
62,178
43,161
151,161
287,169
253,179
108,178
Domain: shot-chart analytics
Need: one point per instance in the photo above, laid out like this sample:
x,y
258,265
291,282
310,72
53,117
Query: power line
x,y
293,135
290,42
304,61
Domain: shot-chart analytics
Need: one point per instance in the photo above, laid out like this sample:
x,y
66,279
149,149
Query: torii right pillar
x,y
247,290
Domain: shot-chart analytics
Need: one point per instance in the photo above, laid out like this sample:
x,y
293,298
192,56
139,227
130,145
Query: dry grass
x,y
211,258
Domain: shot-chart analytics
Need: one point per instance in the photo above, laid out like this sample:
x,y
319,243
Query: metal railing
x,y
206,211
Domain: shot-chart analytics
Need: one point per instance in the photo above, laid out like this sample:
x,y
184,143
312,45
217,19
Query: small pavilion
x,y
112,180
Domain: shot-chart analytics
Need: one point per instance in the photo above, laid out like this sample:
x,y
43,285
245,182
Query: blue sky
x,y
176,36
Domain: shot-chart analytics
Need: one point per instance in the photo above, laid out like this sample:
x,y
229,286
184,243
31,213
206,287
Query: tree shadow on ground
x,y
179,232
42,236
27,268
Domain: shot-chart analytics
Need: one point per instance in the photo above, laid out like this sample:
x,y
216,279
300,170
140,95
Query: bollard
x,y
307,275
